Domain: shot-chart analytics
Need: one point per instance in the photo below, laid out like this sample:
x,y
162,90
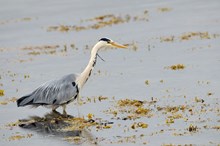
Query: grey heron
x,y
61,92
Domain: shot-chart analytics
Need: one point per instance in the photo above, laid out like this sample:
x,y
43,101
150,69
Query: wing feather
x,y
54,92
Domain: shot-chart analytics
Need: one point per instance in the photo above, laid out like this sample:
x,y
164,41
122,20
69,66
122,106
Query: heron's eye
x,y
74,84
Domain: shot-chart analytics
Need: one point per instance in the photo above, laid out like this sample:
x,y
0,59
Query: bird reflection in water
x,y
69,128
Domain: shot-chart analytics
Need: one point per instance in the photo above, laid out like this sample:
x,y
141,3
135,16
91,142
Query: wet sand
x,y
162,90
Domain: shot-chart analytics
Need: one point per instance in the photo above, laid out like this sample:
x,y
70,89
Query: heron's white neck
x,y
88,70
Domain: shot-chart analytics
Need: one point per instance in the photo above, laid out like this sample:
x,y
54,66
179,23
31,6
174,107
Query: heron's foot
x,y
65,115
54,111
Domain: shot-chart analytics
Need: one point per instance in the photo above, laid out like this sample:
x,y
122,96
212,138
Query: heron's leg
x,y
78,105
64,109
54,108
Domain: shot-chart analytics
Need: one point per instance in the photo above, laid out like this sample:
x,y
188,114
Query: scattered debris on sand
x,y
187,36
176,67
8,100
2,92
18,136
100,22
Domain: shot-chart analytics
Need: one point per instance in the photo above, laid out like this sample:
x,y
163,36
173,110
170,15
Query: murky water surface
x,y
162,90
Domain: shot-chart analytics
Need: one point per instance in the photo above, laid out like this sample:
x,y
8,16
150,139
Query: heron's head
x,y
105,43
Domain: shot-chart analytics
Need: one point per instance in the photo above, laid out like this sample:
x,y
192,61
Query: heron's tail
x,y
25,100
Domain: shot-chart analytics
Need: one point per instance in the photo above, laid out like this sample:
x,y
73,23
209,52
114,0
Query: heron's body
x,y
53,93
62,91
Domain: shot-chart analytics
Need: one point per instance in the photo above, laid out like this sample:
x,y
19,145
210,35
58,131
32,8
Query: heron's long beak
x,y
117,45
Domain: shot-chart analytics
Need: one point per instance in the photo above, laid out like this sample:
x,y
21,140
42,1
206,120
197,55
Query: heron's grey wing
x,y
55,92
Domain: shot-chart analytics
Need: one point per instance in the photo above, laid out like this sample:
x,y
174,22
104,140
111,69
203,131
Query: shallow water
x,y
160,34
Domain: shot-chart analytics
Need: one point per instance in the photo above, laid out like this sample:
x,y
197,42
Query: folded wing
x,y
56,92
